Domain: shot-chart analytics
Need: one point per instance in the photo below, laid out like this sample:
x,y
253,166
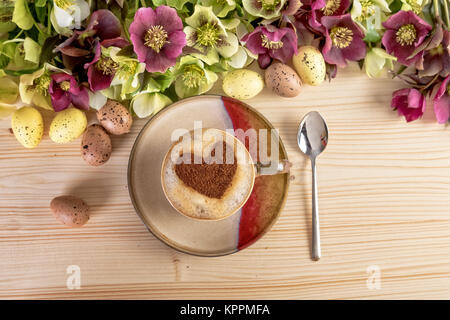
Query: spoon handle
x,y
316,252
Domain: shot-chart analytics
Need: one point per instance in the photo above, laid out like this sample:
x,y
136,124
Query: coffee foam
x,y
197,205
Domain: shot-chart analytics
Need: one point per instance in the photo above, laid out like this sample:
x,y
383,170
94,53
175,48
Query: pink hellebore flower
x,y
441,101
409,103
269,42
405,31
321,8
65,90
343,40
158,37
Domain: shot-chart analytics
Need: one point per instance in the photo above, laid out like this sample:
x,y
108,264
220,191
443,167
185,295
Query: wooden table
x,y
384,190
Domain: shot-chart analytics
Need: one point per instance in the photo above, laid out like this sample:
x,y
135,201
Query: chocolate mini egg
x,y
70,210
115,118
282,80
96,145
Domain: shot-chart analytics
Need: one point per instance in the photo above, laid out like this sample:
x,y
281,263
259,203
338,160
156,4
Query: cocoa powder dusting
x,y
212,179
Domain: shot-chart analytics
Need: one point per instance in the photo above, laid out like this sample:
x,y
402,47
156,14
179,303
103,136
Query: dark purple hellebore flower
x,y
441,101
76,50
65,90
343,40
409,103
102,69
405,31
269,42
158,37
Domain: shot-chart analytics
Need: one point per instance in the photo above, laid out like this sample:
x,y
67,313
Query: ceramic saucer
x,y
203,238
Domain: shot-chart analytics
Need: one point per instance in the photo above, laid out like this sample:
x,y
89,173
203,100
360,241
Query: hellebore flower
x,y
128,74
269,43
376,60
321,8
192,77
409,103
70,13
149,100
102,69
267,9
103,26
368,15
208,34
436,59
64,91
158,37
441,101
405,31
344,40
34,87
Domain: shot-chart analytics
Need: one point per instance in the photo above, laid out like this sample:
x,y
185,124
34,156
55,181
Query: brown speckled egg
x,y
70,210
115,118
283,80
96,145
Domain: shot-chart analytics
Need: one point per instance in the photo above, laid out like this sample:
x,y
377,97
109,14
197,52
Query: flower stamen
x,y
65,85
406,35
42,84
64,4
268,44
341,37
107,66
331,6
192,76
155,38
208,34
368,9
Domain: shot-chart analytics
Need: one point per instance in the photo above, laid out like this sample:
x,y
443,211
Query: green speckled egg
x,y
310,65
67,125
28,126
242,84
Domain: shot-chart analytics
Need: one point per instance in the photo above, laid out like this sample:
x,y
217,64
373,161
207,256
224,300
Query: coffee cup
x,y
209,174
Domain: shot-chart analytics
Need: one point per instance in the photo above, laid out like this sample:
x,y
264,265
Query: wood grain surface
x,y
384,196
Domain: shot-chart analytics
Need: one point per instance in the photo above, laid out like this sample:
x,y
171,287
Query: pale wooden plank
x,y
384,200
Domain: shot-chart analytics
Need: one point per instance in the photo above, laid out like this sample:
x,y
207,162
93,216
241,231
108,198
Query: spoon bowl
x,y
312,138
312,134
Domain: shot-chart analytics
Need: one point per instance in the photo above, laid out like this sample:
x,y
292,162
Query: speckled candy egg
x,y
282,80
242,84
96,145
28,126
115,118
67,125
70,210
310,65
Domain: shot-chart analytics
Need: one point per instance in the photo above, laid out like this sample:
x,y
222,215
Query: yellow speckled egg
x,y
242,84
67,125
310,65
28,126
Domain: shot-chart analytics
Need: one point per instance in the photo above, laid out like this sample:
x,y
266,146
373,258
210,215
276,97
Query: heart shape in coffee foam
x,y
209,179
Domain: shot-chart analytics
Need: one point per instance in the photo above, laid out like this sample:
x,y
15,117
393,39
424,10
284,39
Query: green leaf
x,y
32,50
22,16
9,90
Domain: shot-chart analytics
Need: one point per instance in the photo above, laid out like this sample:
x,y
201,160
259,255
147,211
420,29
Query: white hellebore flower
x,y
70,13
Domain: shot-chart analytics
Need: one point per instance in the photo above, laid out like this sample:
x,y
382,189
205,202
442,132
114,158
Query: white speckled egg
x,y
242,84
28,126
310,65
67,125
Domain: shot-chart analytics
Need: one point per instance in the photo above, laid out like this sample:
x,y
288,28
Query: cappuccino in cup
x,y
207,175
